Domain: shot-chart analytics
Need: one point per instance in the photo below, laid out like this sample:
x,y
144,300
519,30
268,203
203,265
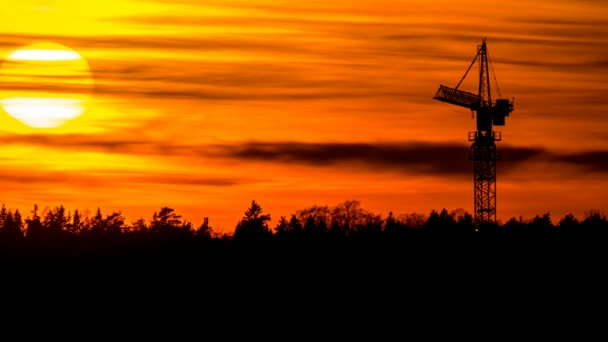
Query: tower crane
x,y
488,113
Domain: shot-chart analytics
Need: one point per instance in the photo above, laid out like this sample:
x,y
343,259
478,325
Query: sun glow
x,y
44,84
44,55
43,112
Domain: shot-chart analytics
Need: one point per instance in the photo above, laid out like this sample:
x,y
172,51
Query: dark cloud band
x,y
416,157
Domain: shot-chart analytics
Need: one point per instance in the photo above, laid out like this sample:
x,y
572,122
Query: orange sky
x,y
205,106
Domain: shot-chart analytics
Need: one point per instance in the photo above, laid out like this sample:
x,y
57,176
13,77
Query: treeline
x,y
323,227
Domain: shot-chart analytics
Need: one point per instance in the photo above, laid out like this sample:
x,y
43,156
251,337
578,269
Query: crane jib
x,y
458,97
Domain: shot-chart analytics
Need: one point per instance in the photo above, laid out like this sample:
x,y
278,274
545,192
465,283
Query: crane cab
x,y
501,109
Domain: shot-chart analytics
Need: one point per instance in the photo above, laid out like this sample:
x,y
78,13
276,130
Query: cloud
x,y
418,157
593,161
187,179
98,179
80,142
423,158
152,42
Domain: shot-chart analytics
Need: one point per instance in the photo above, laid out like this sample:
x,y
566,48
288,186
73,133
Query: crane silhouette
x,y
483,149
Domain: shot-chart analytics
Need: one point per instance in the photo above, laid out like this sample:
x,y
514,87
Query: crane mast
x,y
483,147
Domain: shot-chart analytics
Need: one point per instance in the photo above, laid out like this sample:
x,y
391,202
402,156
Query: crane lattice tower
x,y
483,148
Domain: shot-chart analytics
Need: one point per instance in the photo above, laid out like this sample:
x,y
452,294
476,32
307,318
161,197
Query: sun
x,y
45,84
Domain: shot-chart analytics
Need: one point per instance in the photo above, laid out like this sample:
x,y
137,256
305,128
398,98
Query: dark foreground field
x,y
308,275
374,289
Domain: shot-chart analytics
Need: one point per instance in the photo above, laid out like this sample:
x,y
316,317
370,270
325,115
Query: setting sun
x,y
44,84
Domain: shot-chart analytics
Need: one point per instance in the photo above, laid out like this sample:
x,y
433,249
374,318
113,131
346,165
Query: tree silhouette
x,y
320,228
595,224
253,226
114,223
568,223
282,228
34,229
204,231
541,226
391,226
140,226
169,226
55,221
97,223
11,225
75,227
164,220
